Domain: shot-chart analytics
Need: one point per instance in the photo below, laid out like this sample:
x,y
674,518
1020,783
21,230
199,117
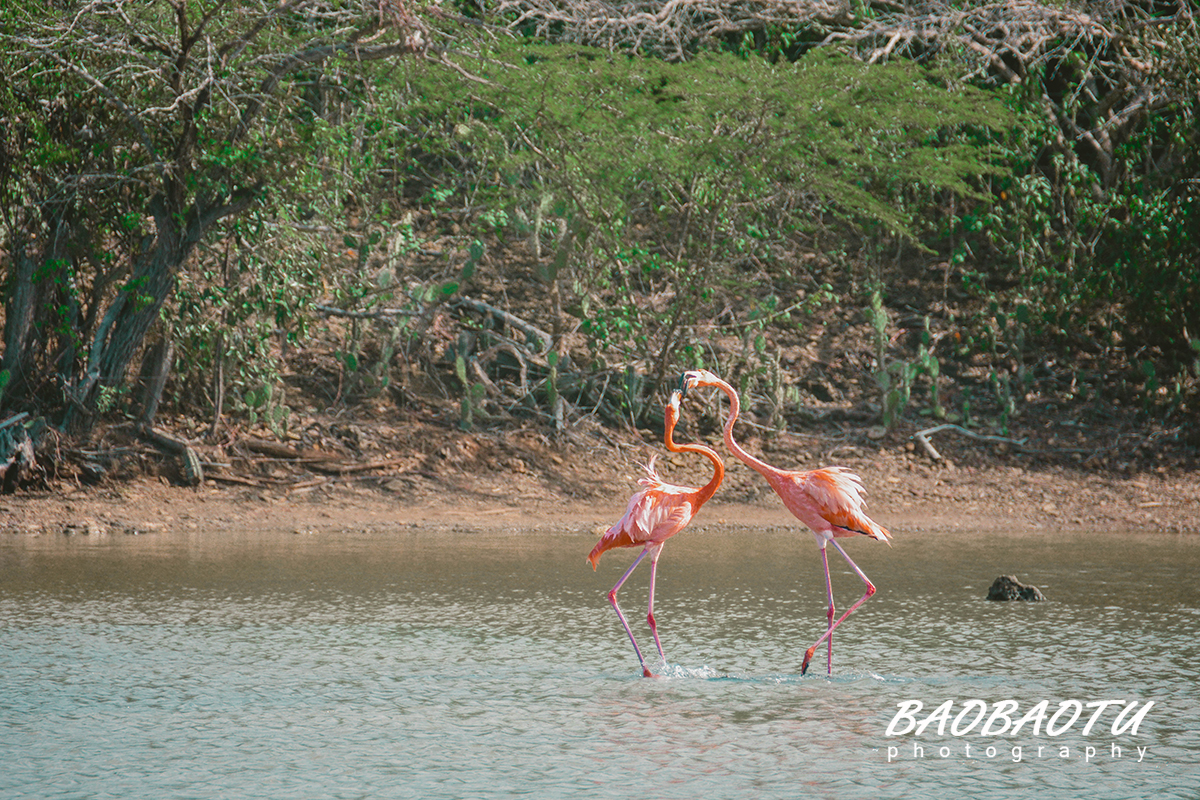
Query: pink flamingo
x,y
655,514
829,501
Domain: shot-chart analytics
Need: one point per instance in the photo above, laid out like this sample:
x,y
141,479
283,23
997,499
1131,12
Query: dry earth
x,y
436,477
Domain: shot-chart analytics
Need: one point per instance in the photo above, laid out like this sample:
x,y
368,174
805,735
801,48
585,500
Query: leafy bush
x,y
684,181
234,315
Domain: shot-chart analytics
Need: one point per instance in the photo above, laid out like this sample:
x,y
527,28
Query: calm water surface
x,y
452,665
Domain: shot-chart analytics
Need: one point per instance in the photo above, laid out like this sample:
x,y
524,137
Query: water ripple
x,y
490,666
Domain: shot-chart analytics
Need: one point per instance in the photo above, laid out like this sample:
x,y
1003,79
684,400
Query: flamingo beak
x,y
683,385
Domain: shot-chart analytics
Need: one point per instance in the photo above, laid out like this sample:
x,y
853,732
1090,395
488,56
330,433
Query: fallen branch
x,y
923,440
332,311
308,486
238,479
14,419
531,331
349,469
193,472
316,460
511,349
287,453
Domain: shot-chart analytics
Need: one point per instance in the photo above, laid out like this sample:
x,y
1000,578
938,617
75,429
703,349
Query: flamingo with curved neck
x,y
829,501
655,514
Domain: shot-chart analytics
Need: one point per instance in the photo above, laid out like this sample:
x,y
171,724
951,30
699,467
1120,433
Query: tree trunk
x,y
137,306
121,333
156,366
141,302
18,320
32,311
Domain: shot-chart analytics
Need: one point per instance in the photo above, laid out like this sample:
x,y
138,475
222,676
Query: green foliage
x,y
1149,255
465,405
552,396
1089,249
126,133
725,130
653,179
471,403
666,205
896,377
264,404
633,396
110,397
893,378
231,312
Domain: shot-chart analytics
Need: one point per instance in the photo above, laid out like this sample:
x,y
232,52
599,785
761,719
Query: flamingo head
x,y
697,377
671,411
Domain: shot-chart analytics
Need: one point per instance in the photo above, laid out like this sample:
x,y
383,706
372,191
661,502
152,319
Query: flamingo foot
x,y
646,673
808,654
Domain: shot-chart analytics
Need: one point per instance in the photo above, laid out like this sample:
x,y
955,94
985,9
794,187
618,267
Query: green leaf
x,y
474,254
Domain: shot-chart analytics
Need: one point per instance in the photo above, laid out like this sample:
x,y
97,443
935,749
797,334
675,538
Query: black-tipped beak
x,y
683,386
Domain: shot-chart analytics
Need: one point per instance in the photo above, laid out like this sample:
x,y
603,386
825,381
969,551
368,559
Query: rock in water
x,y
1007,587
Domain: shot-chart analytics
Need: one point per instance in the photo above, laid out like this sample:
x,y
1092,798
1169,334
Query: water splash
x,y
680,672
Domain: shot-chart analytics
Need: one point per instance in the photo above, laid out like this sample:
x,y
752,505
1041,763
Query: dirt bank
x,y
520,479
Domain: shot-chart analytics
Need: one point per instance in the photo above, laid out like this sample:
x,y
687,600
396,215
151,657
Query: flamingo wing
x,y
836,494
654,515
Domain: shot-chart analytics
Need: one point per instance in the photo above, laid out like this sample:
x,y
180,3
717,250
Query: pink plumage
x,y
828,500
654,514
833,500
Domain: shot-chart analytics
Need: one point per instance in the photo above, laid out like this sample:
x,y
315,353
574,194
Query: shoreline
x,y
143,506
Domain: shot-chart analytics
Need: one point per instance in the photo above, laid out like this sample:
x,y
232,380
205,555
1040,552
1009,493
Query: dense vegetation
x,y
542,218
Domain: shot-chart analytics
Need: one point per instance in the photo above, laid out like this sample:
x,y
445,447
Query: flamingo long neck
x,y
735,408
710,488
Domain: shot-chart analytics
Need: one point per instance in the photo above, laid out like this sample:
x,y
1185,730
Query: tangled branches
x,y
1101,70
671,30
1122,59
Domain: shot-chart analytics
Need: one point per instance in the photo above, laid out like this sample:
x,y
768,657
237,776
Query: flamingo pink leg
x,y
870,591
830,611
650,607
612,598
